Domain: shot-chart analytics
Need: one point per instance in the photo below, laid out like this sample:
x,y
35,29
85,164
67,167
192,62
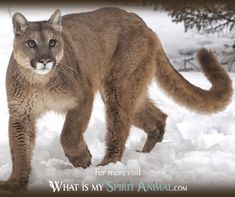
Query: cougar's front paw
x,y
4,185
13,186
82,159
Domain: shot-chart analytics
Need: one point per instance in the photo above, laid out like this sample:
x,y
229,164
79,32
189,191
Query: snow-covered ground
x,y
197,150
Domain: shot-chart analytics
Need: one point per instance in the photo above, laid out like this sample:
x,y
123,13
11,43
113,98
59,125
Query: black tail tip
x,y
205,57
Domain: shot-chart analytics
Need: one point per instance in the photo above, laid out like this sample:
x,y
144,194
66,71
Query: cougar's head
x,y
38,45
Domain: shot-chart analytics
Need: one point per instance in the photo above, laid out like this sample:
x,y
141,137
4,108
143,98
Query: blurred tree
x,y
209,19
204,16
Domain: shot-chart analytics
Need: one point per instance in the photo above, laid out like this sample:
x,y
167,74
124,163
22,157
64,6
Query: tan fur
x,y
195,98
108,50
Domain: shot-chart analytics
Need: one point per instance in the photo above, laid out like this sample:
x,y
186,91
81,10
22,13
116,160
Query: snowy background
x,y
197,150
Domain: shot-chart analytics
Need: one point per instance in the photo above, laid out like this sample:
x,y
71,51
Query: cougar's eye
x,y
31,44
52,43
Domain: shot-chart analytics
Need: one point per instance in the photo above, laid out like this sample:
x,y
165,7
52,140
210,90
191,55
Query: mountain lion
x,y
61,63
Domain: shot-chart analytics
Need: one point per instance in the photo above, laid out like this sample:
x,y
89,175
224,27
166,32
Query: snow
x,y
197,150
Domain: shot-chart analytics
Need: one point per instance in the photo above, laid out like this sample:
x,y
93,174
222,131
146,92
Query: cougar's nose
x,y
45,60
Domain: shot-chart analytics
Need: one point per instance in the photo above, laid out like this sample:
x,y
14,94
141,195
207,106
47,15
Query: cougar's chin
x,y
43,69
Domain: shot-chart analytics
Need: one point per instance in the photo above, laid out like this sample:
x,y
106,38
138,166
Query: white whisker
x,y
68,75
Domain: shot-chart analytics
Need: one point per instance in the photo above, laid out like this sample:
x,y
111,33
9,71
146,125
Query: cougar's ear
x,y
20,23
55,20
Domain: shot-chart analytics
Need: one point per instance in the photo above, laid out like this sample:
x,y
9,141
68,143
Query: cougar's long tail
x,y
193,97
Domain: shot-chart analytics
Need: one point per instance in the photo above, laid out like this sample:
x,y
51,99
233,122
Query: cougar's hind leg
x,y
152,120
120,107
125,85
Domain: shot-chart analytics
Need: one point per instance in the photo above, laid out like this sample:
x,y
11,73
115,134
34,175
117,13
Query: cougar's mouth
x,y
43,69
